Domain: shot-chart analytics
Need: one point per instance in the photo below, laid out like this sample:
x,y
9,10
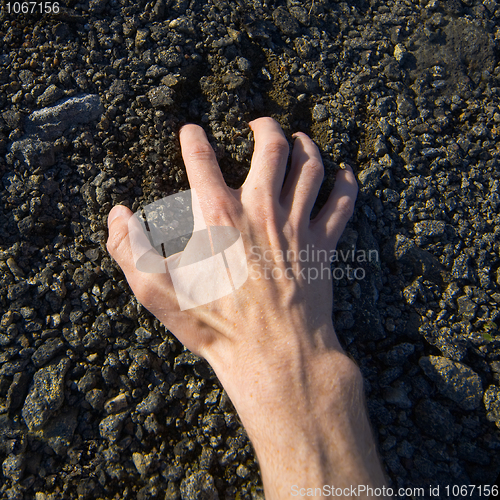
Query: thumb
x,y
118,244
155,291
126,244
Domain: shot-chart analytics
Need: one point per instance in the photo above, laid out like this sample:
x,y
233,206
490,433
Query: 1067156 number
x,y
32,7
465,491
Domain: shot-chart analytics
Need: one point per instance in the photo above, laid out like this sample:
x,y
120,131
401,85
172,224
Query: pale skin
x,y
272,343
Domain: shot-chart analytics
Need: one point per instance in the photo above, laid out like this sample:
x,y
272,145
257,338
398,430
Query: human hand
x,y
274,220
271,342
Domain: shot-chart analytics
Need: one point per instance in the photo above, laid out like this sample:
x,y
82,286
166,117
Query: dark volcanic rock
x,y
110,427
59,431
435,421
47,351
17,390
285,22
160,96
455,380
50,123
199,486
46,394
403,250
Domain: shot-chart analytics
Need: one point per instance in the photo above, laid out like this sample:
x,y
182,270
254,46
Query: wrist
x,y
305,407
300,368
329,384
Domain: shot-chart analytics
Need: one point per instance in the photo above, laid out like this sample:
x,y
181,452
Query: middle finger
x,y
269,158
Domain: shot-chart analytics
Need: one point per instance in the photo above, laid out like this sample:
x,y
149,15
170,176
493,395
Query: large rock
x,y
47,351
50,96
45,125
13,467
18,389
454,380
50,123
199,486
46,394
111,426
452,346
403,250
34,151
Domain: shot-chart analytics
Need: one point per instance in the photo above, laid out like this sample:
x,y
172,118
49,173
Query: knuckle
x,y
201,152
345,207
290,230
116,240
224,210
277,148
315,167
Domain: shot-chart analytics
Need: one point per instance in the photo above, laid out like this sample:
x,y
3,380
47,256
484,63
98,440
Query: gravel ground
x,y
97,399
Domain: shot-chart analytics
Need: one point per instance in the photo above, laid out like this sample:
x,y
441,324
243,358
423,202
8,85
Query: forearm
x,y
306,419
